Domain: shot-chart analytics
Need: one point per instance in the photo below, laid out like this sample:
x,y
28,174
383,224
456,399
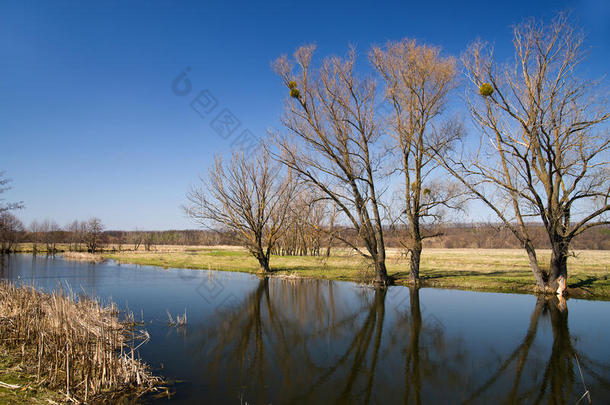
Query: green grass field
x,y
504,270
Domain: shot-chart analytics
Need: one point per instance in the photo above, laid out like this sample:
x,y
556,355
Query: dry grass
x,y
83,257
77,347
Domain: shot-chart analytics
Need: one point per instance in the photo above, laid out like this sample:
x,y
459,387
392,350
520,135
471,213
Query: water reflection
x,y
296,342
316,341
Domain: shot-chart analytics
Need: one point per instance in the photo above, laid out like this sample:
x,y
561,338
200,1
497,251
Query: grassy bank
x,y
56,348
503,270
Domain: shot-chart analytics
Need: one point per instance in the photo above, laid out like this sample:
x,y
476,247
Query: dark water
x,y
284,342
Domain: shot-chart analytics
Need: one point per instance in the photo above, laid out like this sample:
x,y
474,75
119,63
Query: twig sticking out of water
x,y
180,320
587,394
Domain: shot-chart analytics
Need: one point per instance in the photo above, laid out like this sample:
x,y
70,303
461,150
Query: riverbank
x,y
57,348
494,270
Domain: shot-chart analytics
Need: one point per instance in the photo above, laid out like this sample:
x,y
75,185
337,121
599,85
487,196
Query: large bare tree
x,y
249,197
331,142
418,81
544,145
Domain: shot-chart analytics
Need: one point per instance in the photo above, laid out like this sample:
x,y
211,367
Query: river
x,y
289,341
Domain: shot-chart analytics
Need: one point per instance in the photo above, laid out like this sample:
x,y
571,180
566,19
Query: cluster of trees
x,y
47,235
541,153
302,238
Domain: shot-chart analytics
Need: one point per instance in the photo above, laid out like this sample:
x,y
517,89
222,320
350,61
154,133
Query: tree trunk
x,y
381,273
415,260
558,266
328,247
263,261
538,275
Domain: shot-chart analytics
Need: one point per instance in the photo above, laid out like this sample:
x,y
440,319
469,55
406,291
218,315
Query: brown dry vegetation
x,y
83,257
77,349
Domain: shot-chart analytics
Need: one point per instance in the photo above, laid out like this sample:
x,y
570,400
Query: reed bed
x,y
83,257
74,345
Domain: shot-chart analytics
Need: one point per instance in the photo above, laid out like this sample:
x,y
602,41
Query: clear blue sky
x,y
89,124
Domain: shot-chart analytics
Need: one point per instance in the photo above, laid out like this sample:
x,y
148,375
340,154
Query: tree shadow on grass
x,y
586,282
449,274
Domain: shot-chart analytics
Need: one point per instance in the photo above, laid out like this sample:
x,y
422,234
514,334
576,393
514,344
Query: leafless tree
x,y
149,241
75,231
10,230
309,223
418,81
331,142
94,235
50,234
247,196
544,143
136,238
10,226
120,240
4,207
35,230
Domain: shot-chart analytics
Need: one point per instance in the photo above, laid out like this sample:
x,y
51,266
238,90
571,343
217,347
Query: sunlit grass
x,y
476,269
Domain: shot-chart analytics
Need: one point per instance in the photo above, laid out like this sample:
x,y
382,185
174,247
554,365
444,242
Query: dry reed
x,y
76,346
180,321
83,257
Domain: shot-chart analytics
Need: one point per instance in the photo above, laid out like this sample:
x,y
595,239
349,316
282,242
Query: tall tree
x,y
418,81
331,141
247,197
544,143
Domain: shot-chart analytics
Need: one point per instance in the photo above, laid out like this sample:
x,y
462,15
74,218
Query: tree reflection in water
x,y
299,342
561,382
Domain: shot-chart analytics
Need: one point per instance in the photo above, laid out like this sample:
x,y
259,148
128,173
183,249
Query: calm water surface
x,y
272,341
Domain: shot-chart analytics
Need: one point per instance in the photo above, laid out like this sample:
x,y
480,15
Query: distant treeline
x,y
489,236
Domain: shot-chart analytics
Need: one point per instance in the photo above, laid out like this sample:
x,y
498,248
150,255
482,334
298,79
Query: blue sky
x,y
89,124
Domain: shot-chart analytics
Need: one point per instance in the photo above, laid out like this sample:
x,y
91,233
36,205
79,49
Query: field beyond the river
x,y
503,270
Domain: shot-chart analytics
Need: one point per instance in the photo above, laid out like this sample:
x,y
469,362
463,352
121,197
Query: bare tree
x,y
49,230
136,238
120,240
309,222
94,234
249,197
35,230
10,226
74,237
418,81
149,241
332,142
4,207
10,230
544,144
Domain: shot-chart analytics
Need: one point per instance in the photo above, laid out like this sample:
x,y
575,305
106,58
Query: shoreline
x,y
493,270
485,270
